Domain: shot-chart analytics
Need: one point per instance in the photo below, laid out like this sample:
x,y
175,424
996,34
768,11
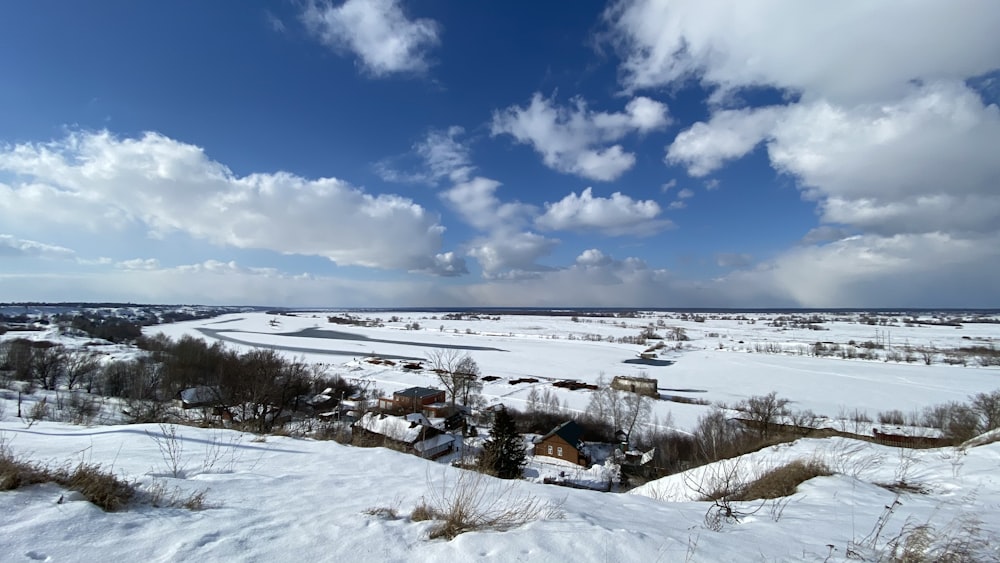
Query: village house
x,y
563,442
415,435
640,385
431,402
199,397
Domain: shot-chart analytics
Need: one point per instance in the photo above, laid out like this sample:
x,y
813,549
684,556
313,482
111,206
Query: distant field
x,y
727,357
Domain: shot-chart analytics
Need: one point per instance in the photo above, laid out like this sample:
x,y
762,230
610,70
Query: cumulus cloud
x,y
729,134
803,47
576,140
447,264
617,215
897,147
511,255
924,163
378,32
13,247
101,182
476,201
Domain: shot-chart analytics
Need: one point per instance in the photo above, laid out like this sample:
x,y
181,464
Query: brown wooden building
x,y
414,399
563,442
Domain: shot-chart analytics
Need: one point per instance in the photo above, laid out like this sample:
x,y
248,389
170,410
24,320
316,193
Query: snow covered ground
x,y
553,348
287,499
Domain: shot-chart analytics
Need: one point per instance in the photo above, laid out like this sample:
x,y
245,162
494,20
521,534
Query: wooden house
x,y
563,442
414,399
415,436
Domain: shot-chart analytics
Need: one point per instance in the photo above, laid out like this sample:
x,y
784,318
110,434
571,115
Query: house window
x,y
550,450
559,451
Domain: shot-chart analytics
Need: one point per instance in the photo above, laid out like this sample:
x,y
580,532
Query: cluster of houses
x,y
420,421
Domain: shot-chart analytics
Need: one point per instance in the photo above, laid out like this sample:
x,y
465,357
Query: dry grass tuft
x,y
422,513
97,484
476,502
782,481
962,541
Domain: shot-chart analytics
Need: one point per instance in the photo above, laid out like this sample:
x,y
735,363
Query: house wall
x,y
569,453
411,404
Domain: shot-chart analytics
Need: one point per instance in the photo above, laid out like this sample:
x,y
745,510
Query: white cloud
x,y
447,264
927,162
678,204
378,31
890,141
926,270
844,51
13,247
685,194
442,156
139,264
506,251
666,187
924,163
511,255
593,257
729,134
615,216
223,283
824,233
101,182
475,200
575,140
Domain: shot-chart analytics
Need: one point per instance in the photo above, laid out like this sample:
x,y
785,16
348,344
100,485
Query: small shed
x,y
563,442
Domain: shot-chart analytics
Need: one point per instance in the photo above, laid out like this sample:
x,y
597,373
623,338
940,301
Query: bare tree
x,y
717,436
466,380
763,411
987,406
458,373
624,410
48,366
80,368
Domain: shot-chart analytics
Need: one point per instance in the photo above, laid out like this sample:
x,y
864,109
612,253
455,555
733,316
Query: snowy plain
x,y
285,499
717,364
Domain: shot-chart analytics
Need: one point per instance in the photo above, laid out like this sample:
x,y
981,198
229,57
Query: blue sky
x,y
657,153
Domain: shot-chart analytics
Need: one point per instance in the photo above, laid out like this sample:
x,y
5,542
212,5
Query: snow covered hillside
x,y
284,499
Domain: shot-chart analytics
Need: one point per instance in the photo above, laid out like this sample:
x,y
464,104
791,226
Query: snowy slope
x,y
290,499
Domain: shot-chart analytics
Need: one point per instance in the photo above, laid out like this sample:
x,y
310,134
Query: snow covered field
x,y
286,499
718,363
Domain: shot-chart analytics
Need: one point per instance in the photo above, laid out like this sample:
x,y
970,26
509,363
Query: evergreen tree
x,y
504,454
